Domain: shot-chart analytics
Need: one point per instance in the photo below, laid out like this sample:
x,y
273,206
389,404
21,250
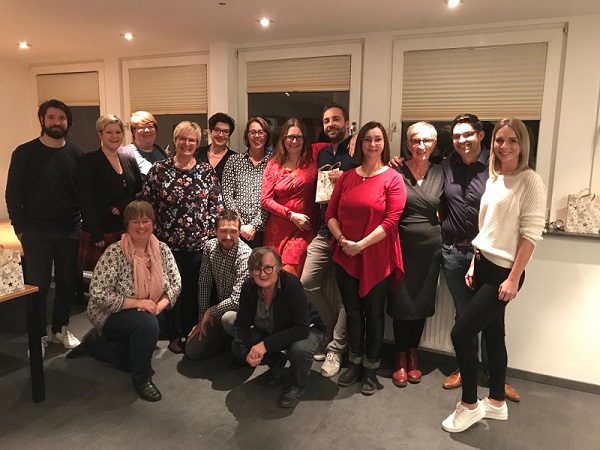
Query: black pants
x,y
363,314
485,313
42,250
180,319
407,333
128,340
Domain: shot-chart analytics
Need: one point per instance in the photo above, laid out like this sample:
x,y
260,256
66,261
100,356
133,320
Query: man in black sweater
x,y
41,199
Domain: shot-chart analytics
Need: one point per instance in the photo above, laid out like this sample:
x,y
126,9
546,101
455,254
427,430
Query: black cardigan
x,y
293,315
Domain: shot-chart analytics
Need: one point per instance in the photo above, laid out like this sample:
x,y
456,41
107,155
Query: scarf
x,y
147,271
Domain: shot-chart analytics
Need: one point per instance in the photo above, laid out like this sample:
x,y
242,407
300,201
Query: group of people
x,y
236,252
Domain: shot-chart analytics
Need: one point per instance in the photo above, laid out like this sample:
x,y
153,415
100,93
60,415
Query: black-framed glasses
x,y
268,270
416,142
465,135
294,137
259,133
220,131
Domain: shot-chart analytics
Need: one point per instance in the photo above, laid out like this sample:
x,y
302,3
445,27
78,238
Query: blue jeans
x,y
129,338
456,262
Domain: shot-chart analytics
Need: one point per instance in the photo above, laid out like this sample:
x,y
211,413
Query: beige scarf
x,y
147,270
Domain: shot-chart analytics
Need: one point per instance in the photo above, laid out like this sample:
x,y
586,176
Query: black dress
x,y
421,243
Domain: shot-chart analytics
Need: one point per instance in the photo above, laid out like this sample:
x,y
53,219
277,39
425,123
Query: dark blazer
x,y
201,154
293,315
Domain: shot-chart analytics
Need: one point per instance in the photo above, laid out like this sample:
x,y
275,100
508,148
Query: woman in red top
x,y
363,215
288,195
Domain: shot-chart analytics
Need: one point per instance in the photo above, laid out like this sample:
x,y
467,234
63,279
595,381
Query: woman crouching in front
x,y
274,315
133,282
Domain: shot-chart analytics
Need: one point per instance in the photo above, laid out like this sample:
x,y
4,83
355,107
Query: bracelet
x,y
289,215
341,236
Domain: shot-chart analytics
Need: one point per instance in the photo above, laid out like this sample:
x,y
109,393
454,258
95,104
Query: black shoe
x,y
237,364
274,376
86,348
291,397
148,391
370,384
351,375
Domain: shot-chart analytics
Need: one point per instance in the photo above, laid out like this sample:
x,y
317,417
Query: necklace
x,y
186,166
366,174
420,173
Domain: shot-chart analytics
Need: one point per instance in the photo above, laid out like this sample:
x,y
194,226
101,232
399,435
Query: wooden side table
x,y
36,362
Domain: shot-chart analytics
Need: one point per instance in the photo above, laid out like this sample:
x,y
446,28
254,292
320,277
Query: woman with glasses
x,y
220,129
414,298
242,181
186,196
511,222
274,316
143,128
288,195
363,215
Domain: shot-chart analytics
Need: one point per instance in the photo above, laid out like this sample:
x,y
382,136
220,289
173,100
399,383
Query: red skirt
x,y
89,254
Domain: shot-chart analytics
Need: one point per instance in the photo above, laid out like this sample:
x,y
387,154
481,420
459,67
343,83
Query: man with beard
x,y
318,263
41,199
223,271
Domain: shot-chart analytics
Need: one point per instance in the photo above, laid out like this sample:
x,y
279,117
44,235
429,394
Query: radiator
x,y
437,328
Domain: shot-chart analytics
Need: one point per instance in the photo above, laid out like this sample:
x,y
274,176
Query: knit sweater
x,y
512,208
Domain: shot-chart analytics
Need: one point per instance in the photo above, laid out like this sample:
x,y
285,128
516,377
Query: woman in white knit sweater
x,y
511,220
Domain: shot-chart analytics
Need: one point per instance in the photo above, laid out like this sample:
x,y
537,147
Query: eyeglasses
x,y
293,137
376,141
220,131
465,135
258,133
268,270
416,142
184,140
144,126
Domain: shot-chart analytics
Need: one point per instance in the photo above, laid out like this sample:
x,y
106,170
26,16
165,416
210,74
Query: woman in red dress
x,y
288,195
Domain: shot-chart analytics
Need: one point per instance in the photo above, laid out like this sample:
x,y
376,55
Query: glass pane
x,y
168,122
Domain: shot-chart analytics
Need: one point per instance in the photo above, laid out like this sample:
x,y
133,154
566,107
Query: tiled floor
x,y
207,406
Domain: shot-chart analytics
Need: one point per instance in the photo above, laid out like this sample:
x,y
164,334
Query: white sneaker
x,y
495,412
319,356
332,364
44,345
463,417
65,338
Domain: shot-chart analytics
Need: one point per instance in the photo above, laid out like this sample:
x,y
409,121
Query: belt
x,y
457,242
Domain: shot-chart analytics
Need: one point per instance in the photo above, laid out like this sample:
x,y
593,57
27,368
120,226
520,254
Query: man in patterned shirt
x,y
222,273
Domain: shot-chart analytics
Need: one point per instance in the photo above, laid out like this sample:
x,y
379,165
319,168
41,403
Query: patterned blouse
x,y
113,281
242,182
186,203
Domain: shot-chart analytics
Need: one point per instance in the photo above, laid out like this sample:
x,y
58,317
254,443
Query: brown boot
x,y
399,377
511,394
453,381
414,374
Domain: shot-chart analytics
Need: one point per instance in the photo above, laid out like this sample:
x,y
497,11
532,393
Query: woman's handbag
x,y
324,185
11,271
583,213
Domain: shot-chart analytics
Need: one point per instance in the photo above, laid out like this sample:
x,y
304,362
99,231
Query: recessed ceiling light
x,y
265,22
222,3
24,45
453,3
128,36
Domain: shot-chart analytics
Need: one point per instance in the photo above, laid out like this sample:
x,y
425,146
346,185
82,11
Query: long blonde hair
x,y
522,138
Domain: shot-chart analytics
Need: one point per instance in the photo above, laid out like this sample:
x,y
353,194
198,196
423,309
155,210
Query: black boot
x,y
370,384
351,375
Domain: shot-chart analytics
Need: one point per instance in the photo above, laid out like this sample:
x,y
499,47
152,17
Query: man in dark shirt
x,y
41,199
317,267
466,173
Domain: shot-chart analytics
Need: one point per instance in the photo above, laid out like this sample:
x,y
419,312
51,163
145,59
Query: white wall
x,y
553,326
15,116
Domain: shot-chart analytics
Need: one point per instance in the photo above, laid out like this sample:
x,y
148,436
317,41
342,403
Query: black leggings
x,y
407,333
485,313
363,314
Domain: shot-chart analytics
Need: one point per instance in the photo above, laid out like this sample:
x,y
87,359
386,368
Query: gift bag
x,y
324,185
11,271
583,213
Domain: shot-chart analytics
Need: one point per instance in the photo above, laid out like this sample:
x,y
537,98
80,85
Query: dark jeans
x,y
300,354
484,313
180,319
363,314
41,251
129,338
407,333
456,262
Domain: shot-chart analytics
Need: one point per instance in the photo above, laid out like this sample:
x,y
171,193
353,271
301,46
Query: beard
x,y
55,131
336,135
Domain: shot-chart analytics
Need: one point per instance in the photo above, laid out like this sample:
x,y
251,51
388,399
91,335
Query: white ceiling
x,y
75,30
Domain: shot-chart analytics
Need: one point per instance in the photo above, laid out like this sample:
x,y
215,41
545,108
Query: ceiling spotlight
x,y
24,45
453,3
128,36
265,22
222,3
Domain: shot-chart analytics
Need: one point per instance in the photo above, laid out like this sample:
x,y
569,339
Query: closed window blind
x,y
328,73
74,89
169,90
492,82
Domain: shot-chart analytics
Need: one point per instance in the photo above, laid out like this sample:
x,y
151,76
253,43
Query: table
x,y
36,362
